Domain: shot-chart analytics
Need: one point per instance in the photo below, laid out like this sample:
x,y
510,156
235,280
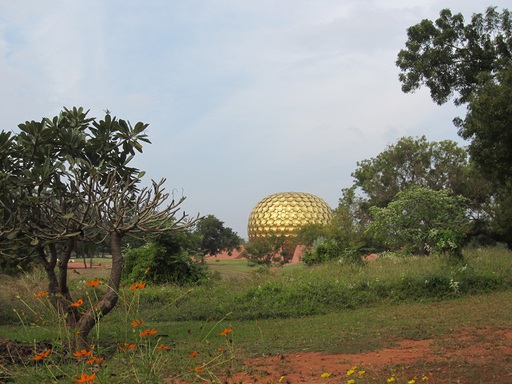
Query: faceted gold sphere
x,y
284,213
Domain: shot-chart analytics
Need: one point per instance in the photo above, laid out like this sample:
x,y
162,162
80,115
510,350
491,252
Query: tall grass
x,y
333,287
302,291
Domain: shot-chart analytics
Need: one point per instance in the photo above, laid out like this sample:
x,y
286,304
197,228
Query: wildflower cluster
x,y
142,347
354,373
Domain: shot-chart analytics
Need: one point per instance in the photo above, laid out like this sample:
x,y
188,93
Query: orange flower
x,y
163,346
85,378
226,331
77,303
138,285
42,355
83,353
221,350
94,360
127,346
193,354
199,369
40,294
92,283
137,323
148,332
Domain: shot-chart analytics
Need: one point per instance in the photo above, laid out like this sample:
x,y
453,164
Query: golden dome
x,y
283,213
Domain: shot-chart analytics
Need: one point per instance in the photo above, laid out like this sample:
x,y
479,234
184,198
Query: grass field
x,y
462,336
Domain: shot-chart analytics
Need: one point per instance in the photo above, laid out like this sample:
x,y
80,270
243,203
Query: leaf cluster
x,y
449,56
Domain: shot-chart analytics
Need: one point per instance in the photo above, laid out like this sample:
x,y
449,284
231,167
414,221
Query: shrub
x,y
158,264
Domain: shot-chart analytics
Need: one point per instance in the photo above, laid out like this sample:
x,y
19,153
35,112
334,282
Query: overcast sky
x,y
243,98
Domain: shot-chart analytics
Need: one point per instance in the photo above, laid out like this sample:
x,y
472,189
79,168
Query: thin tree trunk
x,y
109,300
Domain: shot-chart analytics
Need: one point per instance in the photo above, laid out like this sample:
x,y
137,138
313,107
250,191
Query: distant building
x,y
286,212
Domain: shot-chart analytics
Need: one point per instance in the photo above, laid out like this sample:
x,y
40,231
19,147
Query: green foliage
x,y
350,219
333,286
488,124
421,221
408,162
267,251
450,56
166,259
473,60
309,233
68,179
216,238
323,250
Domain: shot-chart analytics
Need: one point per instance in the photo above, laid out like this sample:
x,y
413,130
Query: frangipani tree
x,y
69,178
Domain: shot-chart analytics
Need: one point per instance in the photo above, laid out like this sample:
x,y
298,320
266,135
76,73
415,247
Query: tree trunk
x,y
109,300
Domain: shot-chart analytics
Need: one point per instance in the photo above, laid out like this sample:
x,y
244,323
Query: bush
x,y
158,264
323,250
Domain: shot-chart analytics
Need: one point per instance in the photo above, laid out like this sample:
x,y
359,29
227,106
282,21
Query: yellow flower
x,y
391,379
325,375
351,381
351,371
361,372
424,378
281,379
411,381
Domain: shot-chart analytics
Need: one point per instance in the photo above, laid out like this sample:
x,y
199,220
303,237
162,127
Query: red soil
x,y
453,359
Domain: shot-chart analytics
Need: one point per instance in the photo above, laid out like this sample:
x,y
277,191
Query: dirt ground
x,y
474,356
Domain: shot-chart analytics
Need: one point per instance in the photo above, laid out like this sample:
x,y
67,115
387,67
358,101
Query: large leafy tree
x,y
215,237
421,220
472,61
488,124
449,56
435,165
69,179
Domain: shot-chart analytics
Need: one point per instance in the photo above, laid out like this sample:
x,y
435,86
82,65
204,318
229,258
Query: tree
x,y
216,238
421,220
473,60
434,165
267,251
488,124
68,179
450,57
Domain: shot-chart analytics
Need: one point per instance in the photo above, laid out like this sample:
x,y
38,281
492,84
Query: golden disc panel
x,y
283,213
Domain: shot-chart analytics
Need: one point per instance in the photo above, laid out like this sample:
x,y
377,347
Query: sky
x,y
243,98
